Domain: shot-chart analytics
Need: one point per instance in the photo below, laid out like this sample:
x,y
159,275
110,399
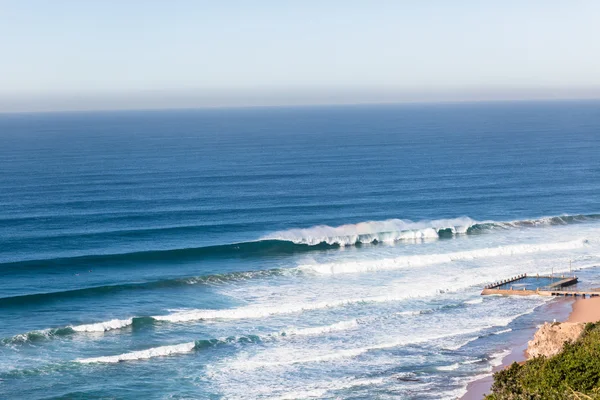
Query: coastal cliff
x,y
551,337
564,364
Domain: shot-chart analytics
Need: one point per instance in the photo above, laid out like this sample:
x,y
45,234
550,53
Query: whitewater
x,y
293,253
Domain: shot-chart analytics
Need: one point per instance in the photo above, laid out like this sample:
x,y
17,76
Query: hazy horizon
x,y
139,102
68,55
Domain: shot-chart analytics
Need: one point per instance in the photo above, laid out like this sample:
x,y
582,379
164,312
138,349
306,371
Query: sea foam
x,y
190,346
103,326
430,259
143,354
249,364
387,231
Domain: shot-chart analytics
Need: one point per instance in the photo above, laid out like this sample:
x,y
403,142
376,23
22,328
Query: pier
x,y
538,285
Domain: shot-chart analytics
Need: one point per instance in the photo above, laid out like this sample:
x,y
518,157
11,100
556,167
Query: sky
x,y
109,54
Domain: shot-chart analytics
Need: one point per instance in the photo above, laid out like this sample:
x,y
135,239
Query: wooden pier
x,y
559,288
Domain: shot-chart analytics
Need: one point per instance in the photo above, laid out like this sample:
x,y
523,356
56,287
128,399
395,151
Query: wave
x,y
258,248
213,279
325,268
347,353
103,326
394,230
387,231
429,259
247,312
320,330
258,311
143,354
38,335
497,358
494,360
321,237
115,324
474,301
451,367
204,343
536,222
317,391
497,322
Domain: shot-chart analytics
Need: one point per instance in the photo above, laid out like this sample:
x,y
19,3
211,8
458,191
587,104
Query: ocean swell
x,y
293,241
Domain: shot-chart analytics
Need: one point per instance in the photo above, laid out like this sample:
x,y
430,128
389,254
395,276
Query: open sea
x,y
284,253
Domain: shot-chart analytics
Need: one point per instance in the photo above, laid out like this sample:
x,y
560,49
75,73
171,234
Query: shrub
x,y
574,373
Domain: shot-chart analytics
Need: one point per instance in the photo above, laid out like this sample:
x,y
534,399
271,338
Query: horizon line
x,y
304,105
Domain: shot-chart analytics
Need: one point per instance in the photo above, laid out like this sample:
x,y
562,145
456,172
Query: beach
x,y
581,310
585,310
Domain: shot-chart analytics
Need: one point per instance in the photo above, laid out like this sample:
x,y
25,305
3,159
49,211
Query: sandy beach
x,y
583,310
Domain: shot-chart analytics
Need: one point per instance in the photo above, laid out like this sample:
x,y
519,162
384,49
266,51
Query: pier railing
x,y
505,281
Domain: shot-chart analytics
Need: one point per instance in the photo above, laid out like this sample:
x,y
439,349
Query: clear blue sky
x,y
64,54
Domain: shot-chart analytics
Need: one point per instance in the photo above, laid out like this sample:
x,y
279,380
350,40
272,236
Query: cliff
x,y
551,337
565,364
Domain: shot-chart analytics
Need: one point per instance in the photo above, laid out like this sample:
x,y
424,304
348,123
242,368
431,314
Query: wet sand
x,y
585,310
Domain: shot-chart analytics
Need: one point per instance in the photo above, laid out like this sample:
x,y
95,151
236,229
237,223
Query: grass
x,y
574,373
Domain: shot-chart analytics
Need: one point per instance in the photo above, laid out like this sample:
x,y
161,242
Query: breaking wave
x,y
346,353
324,268
292,241
388,231
429,259
200,344
114,324
311,331
104,326
143,354
39,335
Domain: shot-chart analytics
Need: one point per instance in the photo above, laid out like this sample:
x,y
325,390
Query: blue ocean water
x,y
326,252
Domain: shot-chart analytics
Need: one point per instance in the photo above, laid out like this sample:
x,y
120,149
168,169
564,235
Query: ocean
x,y
284,253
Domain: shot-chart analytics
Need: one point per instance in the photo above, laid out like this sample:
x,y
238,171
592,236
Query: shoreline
x,y
559,309
581,310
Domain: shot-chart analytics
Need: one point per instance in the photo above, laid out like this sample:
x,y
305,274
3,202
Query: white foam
x,y
188,347
462,390
451,367
266,311
464,343
496,358
411,313
103,326
389,231
475,301
246,364
304,394
430,259
143,354
260,311
474,361
320,330
500,322
320,391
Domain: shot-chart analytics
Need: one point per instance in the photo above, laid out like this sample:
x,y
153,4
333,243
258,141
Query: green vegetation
x,y
574,373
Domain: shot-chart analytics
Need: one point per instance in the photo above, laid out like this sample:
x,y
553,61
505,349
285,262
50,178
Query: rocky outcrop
x,y
550,338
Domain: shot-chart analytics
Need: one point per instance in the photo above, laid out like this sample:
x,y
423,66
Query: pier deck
x,y
526,285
